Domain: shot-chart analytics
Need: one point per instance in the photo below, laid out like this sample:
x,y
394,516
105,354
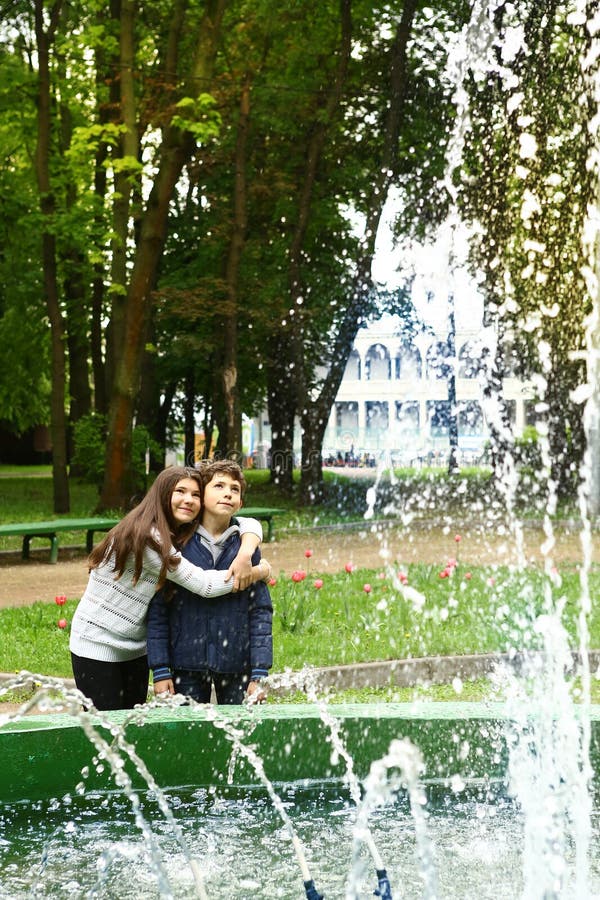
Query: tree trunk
x,y
231,394
592,407
316,410
129,148
282,404
105,72
175,151
58,427
160,433
189,428
453,467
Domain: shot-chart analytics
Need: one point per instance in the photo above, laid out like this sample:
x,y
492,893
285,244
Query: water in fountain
x,y
73,701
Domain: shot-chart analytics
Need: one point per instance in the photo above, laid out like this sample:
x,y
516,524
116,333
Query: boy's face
x,y
222,496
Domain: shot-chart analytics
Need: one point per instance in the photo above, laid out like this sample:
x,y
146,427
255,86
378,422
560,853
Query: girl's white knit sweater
x,y
110,621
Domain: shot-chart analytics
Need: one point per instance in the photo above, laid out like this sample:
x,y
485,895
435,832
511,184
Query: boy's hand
x,y
164,687
241,572
255,693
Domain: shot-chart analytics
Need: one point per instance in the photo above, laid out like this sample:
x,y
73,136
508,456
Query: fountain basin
x,y
43,756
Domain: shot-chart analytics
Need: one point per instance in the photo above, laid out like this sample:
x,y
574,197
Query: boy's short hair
x,y
210,468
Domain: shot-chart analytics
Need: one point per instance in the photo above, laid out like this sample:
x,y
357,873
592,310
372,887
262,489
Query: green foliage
x,y
526,183
90,138
199,116
89,441
24,375
527,450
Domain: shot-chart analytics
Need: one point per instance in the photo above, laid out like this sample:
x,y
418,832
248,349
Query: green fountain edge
x,y
48,756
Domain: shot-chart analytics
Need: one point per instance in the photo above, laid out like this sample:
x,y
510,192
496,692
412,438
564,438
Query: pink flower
x,y
298,575
308,553
402,577
62,623
318,583
457,538
349,567
272,582
491,582
468,576
451,564
444,573
60,599
367,588
381,575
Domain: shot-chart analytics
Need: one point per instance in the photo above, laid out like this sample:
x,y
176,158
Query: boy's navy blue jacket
x,y
228,634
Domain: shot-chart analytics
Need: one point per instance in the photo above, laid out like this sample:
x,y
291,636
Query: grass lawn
x,y
358,616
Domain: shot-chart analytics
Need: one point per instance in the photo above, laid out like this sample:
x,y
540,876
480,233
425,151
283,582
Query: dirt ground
x,y
25,582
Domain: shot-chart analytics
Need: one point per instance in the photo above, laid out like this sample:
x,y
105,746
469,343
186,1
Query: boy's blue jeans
x,y
229,688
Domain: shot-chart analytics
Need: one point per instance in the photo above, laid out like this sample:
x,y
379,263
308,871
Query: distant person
x,y
142,552
195,643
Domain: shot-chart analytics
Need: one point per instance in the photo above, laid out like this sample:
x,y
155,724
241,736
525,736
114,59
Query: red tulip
x,y
60,599
62,623
367,588
308,553
457,538
272,582
318,583
298,575
349,567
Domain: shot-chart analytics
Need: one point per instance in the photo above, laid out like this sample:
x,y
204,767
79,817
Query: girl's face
x,y
185,501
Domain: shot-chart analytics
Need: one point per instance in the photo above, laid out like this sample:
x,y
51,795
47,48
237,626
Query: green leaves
x,y
199,116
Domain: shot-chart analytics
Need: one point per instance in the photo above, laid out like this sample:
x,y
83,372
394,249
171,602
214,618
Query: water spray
x,y
235,735
407,760
307,678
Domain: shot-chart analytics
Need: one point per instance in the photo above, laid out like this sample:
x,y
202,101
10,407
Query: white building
x,y
394,398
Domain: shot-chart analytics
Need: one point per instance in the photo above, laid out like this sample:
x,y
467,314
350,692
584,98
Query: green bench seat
x,y
263,514
51,530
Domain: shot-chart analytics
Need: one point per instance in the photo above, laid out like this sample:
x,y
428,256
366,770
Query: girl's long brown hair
x,y
150,524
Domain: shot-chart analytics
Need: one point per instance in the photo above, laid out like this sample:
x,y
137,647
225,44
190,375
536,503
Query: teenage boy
x,y
196,643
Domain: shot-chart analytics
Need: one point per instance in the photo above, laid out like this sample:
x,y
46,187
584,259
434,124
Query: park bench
x,y
263,514
51,529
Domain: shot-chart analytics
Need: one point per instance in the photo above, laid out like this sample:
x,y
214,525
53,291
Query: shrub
x,y
89,440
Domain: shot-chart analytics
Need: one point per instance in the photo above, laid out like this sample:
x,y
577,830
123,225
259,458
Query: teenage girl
x,y
108,633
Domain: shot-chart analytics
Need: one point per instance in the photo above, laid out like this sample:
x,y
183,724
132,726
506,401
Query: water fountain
x,y
448,799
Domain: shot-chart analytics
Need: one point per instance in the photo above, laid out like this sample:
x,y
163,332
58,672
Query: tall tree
x,y
174,149
315,410
527,184
45,35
